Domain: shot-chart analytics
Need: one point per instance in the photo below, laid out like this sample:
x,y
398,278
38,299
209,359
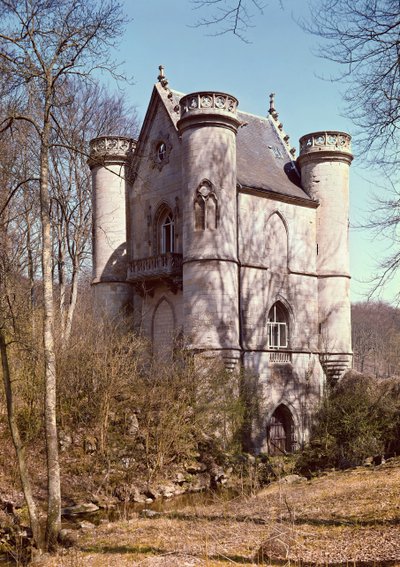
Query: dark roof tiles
x,y
263,161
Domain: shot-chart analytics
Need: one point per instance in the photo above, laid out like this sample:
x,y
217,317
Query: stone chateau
x,y
212,235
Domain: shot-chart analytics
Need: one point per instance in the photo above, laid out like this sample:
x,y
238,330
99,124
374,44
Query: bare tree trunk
x,y
53,467
19,447
73,299
61,277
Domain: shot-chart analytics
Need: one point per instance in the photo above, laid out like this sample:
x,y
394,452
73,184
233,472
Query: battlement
x,y
321,143
209,108
115,149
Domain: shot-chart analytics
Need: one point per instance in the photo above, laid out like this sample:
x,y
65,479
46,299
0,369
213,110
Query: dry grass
x,y
348,518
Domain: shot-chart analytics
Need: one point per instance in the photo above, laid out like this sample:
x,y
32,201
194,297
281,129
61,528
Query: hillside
x,y
340,518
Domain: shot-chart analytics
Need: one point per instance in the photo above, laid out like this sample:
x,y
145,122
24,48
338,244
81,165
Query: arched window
x,y
164,230
167,234
278,326
205,207
280,432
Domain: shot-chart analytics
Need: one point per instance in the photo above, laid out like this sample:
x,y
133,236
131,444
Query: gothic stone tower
x,y
108,161
221,242
208,128
324,162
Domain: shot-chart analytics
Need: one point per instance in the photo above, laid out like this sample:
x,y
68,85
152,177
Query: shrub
x,y
358,418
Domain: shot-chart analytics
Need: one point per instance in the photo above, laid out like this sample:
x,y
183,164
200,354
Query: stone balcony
x,y
145,273
280,357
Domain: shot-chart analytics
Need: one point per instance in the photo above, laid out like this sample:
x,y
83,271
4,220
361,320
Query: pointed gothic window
x,y
205,207
167,234
199,213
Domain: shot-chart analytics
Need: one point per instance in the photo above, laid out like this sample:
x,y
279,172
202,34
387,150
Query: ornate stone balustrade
x,y
111,148
280,356
166,267
325,141
206,101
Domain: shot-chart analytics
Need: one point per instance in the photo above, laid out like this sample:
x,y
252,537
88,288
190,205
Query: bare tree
x,y
229,17
362,37
42,44
376,338
12,259
91,112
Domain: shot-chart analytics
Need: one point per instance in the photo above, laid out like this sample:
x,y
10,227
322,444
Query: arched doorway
x,y
163,329
280,432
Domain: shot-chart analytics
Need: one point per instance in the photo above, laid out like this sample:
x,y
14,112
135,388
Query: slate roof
x,y
263,160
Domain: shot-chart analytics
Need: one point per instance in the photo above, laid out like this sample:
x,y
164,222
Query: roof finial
x,y
161,77
271,103
272,110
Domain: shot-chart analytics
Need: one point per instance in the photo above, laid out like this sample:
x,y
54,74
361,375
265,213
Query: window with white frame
x,y
277,326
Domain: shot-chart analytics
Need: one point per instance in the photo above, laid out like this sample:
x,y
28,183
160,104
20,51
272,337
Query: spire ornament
x,y
161,77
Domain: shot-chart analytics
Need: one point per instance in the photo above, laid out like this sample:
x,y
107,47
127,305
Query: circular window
x,y
161,151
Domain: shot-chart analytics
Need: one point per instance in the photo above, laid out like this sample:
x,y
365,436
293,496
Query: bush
x,y
153,412
358,418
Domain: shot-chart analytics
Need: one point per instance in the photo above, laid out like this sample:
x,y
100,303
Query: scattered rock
x,y
167,490
65,440
83,508
180,478
85,525
200,482
138,497
146,513
195,467
291,479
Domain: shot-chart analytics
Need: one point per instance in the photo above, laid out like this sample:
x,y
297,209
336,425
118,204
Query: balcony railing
x,y
280,356
155,267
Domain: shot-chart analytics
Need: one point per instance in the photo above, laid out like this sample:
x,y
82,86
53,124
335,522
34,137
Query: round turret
x,y
330,145
324,162
208,127
208,108
109,161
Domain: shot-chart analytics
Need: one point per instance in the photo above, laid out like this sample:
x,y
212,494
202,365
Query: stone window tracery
x,y
205,207
161,151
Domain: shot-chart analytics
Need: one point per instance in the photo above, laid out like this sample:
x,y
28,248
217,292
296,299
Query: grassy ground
x,y
342,518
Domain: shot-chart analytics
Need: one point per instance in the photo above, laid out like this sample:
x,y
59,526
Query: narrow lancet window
x,y
205,207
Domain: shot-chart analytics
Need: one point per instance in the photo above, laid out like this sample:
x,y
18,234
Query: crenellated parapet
x,y
110,149
210,108
330,143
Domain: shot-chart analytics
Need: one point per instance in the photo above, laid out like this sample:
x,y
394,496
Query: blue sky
x,y
280,58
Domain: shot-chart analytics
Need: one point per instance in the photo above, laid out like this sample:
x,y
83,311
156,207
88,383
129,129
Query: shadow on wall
x,y
116,267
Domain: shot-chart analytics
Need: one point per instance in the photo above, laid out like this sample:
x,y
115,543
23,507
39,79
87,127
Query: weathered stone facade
x,y
215,237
